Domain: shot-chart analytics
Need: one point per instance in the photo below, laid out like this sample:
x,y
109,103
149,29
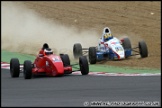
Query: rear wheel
x,y
14,67
143,49
65,59
27,69
92,55
77,50
84,67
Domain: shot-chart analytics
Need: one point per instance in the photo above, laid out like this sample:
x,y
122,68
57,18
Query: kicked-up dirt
x,y
139,20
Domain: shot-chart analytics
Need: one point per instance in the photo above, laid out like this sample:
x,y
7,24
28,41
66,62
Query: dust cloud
x,y
25,31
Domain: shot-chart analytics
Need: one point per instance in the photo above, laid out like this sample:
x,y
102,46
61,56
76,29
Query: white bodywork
x,y
113,44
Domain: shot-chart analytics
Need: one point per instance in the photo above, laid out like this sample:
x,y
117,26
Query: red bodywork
x,y
50,65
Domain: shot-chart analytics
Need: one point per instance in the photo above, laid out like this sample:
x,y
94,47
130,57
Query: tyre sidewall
x,y
143,49
27,69
65,59
92,55
14,67
77,50
84,67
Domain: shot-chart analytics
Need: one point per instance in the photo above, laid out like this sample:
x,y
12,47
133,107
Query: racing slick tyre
x,y
84,67
65,59
14,67
143,49
27,69
126,43
92,55
77,50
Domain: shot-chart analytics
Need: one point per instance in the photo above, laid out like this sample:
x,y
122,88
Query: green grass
x,y
115,69
6,56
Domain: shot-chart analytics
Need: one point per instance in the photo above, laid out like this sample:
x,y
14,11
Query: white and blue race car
x,y
113,49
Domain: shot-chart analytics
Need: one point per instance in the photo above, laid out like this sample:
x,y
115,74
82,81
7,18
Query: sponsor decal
x,y
56,59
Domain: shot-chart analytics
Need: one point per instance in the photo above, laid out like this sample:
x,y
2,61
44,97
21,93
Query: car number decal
x,y
118,49
56,59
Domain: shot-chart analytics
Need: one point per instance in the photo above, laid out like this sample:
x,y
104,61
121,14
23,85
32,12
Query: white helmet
x,y
107,34
106,30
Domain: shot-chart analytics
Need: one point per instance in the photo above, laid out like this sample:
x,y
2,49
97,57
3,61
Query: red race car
x,y
47,63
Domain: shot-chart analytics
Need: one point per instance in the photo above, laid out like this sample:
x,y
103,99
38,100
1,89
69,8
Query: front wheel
x,y
143,49
84,67
14,67
65,59
27,69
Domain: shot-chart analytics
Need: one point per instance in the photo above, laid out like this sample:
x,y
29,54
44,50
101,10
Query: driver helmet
x,y
48,51
45,46
107,34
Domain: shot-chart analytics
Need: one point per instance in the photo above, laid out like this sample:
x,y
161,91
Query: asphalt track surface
x,y
74,90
